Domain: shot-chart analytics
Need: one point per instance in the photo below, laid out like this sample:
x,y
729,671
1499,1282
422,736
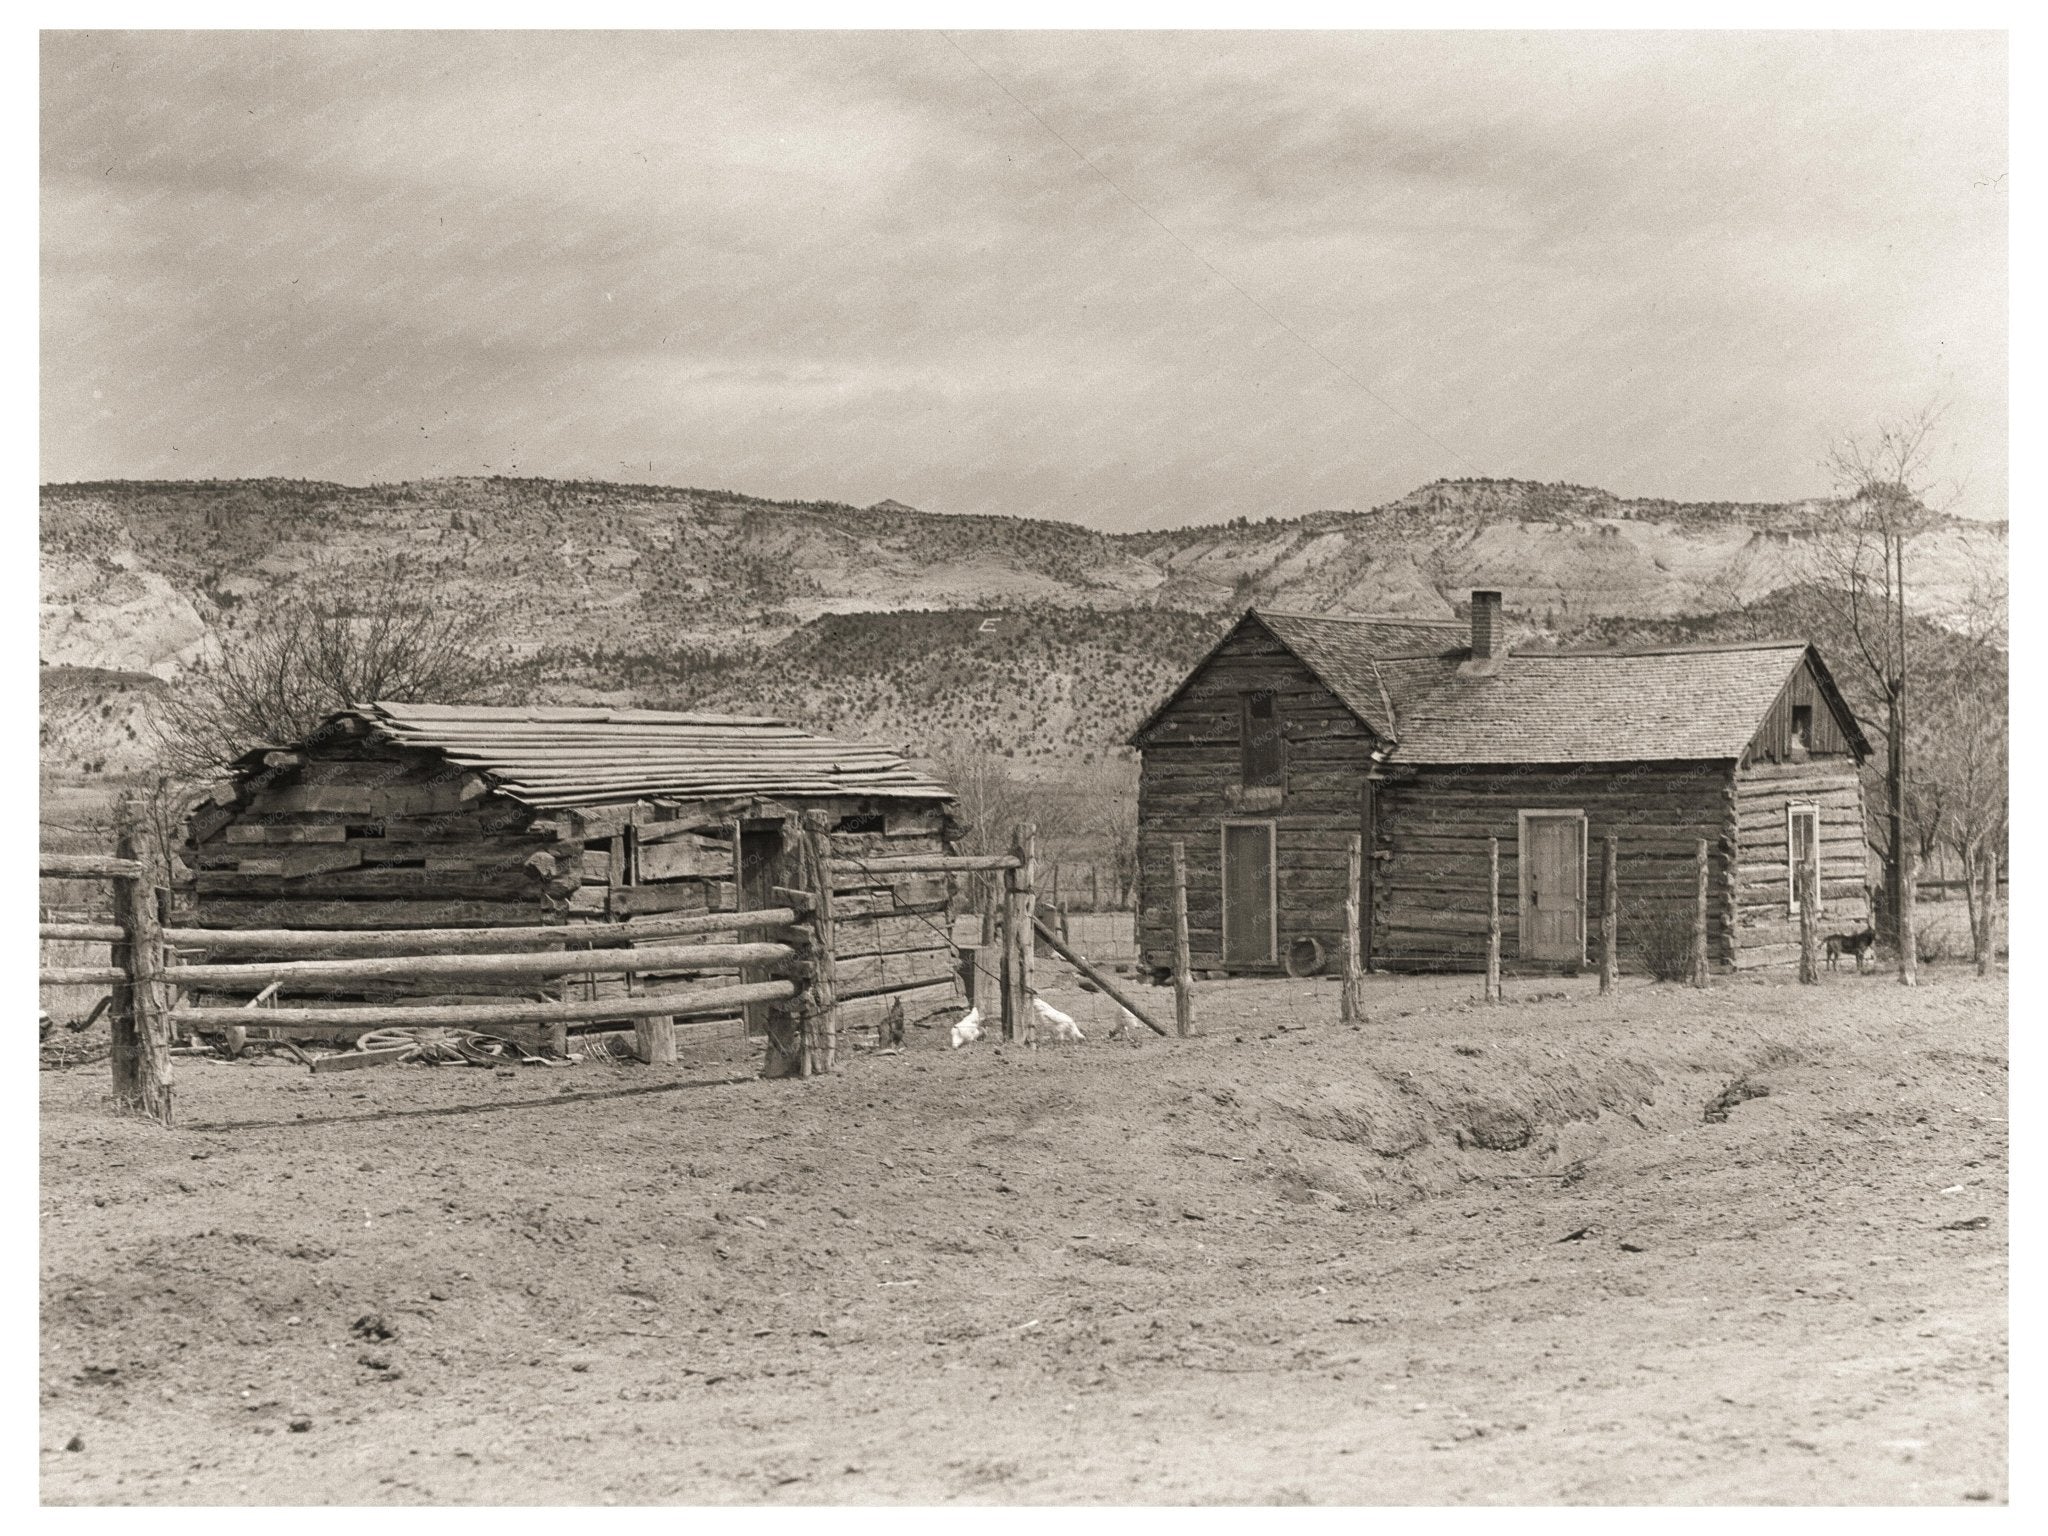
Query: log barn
x,y
1429,739
393,816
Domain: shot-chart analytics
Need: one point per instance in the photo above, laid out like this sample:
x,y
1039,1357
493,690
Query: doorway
x,y
1553,878
1249,894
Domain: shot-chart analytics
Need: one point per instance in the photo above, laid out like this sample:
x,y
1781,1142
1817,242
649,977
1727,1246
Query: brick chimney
x,y
1489,635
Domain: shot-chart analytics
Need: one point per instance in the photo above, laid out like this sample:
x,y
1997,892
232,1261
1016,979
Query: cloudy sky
x,y
1132,279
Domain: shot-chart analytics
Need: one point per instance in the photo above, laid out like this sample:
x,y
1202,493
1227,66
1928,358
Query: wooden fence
x,y
1000,968
152,963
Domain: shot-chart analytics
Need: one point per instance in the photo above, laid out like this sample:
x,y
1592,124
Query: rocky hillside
x,y
1047,641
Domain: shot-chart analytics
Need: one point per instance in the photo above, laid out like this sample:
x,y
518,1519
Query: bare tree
x,y
1108,818
1883,482
322,651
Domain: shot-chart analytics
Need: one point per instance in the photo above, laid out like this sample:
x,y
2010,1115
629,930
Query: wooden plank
x,y
676,896
228,913
861,975
280,832
914,822
687,857
351,1061
920,863
80,975
378,800
88,866
296,863
681,957
1102,979
86,933
371,883
891,934
486,1017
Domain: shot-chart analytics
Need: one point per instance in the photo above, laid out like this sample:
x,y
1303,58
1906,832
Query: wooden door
x,y
1553,859
1248,893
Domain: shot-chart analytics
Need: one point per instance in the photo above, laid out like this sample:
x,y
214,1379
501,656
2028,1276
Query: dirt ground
x,y
1744,1245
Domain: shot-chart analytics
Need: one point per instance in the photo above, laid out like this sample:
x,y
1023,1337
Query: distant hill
x,y
873,621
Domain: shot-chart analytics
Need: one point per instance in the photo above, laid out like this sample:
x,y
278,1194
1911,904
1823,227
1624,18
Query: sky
x,y
1128,279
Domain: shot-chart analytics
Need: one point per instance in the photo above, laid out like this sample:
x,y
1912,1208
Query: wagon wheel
x,y
1305,957
386,1039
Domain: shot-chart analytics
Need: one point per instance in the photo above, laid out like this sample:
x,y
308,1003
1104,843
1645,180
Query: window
x,y
1264,757
1802,851
1802,727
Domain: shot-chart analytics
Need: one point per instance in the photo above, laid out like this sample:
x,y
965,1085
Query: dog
x,y
1854,945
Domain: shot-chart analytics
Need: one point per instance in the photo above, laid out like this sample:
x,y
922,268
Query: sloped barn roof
x,y
557,757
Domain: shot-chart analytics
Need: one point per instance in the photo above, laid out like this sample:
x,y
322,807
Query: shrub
x,y
1656,937
1931,943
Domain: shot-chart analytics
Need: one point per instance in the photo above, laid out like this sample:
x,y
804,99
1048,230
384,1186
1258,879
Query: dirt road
x,y
1460,1254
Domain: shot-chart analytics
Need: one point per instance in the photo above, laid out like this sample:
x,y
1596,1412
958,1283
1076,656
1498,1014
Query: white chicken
x,y
1063,1027
1127,1025
968,1029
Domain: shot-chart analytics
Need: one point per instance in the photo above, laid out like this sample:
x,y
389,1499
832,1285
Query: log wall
x,y
352,834
1767,930
1432,827
1190,783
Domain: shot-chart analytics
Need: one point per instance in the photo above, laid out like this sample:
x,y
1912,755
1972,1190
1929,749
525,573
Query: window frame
x,y
1794,809
1278,780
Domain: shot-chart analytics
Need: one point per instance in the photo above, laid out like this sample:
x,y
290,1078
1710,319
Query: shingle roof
x,y
1343,652
553,757
1410,682
1609,707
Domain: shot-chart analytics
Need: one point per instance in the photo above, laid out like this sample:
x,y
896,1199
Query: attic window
x,y
1802,727
860,824
1262,742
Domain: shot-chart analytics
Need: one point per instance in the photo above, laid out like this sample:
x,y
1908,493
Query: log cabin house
x,y
437,816
1298,731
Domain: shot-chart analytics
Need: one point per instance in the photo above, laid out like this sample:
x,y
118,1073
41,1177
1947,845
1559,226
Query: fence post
x,y
1493,919
141,1012
1809,958
988,971
1610,912
1006,941
1351,1006
1699,916
1909,949
1023,937
1183,962
821,1010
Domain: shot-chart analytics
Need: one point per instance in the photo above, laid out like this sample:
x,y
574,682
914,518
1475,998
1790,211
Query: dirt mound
x,y
1411,1134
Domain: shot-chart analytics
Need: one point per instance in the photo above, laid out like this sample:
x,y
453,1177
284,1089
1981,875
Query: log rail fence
x,y
152,963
